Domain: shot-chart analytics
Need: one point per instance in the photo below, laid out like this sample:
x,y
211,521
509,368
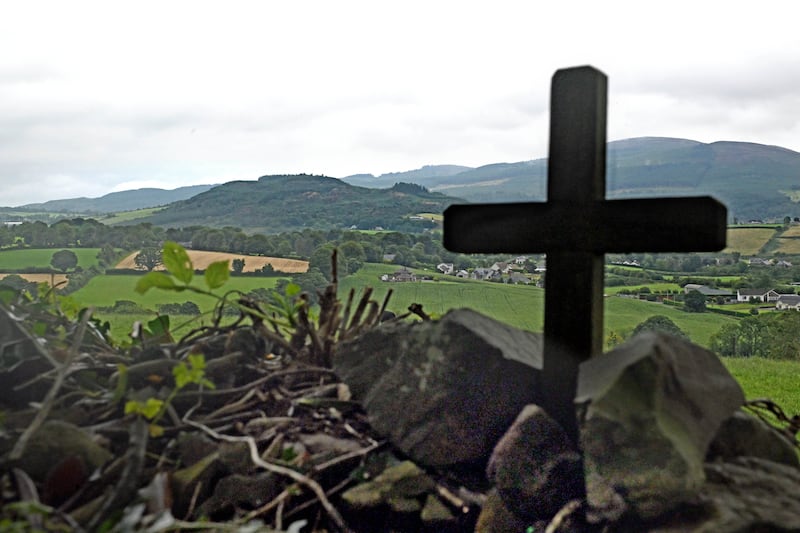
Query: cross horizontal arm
x,y
606,226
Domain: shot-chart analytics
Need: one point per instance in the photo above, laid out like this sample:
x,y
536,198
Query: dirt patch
x,y
201,259
39,278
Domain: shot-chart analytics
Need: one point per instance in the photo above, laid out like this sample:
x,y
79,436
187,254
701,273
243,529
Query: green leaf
x,y
217,273
159,326
148,409
292,289
158,280
177,261
182,375
197,361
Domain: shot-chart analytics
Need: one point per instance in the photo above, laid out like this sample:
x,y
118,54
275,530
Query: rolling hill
x,y
755,181
117,201
283,203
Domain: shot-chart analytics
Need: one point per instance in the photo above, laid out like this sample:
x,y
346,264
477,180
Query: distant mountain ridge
x,y
119,201
752,180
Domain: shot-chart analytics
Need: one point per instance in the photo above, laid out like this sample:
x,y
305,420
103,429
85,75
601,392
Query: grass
x,y
128,216
766,378
748,241
790,245
40,257
519,305
103,291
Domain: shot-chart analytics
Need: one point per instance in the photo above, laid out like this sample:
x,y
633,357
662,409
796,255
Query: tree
x,y
148,258
107,255
695,302
63,260
237,265
660,323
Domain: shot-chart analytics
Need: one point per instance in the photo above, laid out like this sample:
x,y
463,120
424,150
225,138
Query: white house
x,y
788,301
765,295
445,268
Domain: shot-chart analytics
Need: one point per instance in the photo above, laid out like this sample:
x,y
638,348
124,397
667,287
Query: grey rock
x,y
443,391
653,405
751,494
535,467
746,435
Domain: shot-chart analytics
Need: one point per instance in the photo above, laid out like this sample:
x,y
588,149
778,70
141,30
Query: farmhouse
x,y
401,275
788,301
765,295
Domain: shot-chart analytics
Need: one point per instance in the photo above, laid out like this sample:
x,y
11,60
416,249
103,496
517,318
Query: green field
x,y
765,378
40,257
128,216
748,241
521,306
103,291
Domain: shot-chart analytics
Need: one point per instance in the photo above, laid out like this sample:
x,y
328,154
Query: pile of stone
x,y
664,442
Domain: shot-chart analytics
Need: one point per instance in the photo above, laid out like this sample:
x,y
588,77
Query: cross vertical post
x,y
576,174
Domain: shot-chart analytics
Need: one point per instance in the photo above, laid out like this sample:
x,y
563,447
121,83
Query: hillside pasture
x,y
201,259
26,258
788,245
749,240
518,305
124,217
767,378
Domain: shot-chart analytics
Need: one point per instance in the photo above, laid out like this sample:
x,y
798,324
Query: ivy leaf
x,y
217,273
158,280
177,261
155,430
159,327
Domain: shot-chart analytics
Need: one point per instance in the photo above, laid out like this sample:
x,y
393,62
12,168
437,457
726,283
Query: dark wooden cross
x,y
575,227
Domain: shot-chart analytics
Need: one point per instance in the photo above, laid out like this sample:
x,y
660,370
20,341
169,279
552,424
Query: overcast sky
x,y
104,96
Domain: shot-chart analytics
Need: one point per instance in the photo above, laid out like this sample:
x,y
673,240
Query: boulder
x,y
535,466
746,435
652,406
444,391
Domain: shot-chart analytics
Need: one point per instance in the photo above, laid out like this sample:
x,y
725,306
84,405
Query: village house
x,y
520,260
788,301
765,295
783,264
517,278
484,274
463,274
445,268
501,267
757,261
